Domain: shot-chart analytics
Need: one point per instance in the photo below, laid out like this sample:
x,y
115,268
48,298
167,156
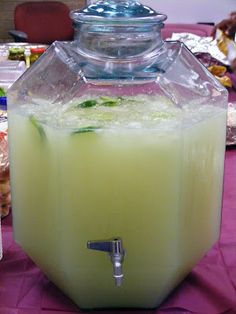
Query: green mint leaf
x,y
38,127
85,129
109,101
87,104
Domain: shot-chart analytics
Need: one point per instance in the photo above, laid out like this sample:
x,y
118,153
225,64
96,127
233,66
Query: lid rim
x,y
154,19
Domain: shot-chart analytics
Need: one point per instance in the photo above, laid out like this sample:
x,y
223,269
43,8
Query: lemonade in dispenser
x,y
117,146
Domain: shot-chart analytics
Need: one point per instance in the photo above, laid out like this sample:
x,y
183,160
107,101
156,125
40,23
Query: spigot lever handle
x,y
104,246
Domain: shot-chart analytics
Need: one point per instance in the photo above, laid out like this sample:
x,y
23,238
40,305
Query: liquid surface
x,y
128,112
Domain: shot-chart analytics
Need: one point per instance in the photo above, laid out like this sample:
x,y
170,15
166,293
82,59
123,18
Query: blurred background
x,y
7,14
193,11
178,11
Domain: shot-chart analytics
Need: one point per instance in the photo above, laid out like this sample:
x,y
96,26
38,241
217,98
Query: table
x,y
209,289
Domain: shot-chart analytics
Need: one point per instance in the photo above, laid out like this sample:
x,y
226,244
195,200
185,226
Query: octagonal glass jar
x,y
117,144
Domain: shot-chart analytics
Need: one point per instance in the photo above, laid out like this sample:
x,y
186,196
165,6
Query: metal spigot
x,y
116,252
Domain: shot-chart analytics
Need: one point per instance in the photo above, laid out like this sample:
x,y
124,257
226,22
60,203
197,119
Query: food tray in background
x,y
231,125
25,47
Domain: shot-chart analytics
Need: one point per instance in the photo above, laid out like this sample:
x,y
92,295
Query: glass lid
x,y
118,11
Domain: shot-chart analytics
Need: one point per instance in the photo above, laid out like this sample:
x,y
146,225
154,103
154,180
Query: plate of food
x,y
231,125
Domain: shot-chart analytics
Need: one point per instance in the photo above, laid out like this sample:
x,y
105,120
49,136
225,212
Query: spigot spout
x,y
117,269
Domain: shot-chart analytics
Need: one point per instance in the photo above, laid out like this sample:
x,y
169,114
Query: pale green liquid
x,y
159,190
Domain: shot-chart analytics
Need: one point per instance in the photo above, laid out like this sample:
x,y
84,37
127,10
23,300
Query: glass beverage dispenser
x,y
116,152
